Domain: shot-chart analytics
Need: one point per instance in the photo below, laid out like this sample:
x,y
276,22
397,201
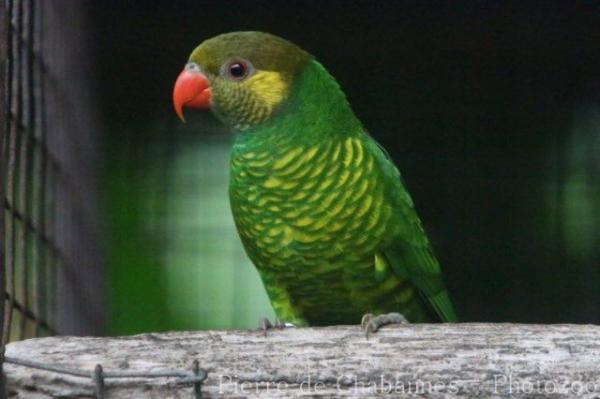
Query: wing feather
x,y
409,252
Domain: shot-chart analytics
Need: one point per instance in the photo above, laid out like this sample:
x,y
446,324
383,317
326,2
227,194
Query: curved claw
x,y
264,324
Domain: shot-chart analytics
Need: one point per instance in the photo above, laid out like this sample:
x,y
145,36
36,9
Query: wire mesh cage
x,y
49,252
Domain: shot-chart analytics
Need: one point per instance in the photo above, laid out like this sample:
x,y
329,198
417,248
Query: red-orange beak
x,y
191,90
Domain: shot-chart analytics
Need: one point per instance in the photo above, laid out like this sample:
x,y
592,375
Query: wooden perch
x,y
432,360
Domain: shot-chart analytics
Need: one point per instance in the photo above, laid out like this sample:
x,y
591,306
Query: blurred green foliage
x,y
175,259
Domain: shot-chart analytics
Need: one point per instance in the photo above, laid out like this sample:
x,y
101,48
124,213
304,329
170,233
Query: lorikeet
x,y
321,209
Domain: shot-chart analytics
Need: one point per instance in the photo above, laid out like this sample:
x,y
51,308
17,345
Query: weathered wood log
x,y
432,360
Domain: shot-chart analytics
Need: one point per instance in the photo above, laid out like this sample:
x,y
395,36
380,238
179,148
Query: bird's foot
x,y
264,324
371,323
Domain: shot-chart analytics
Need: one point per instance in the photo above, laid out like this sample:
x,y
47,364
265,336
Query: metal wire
x,y
196,377
3,130
49,244
49,259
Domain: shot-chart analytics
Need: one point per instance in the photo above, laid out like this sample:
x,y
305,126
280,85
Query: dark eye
x,y
236,69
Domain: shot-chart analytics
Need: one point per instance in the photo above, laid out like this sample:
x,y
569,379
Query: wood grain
x,y
432,360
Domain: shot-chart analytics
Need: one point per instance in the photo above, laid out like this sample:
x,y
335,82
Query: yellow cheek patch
x,y
270,87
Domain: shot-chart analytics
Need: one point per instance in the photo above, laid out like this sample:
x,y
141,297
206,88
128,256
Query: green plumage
x,y
321,210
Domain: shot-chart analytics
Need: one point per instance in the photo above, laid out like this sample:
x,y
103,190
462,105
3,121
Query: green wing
x,y
409,253
421,267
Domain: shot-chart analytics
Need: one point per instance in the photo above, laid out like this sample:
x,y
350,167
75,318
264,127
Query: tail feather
x,y
443,307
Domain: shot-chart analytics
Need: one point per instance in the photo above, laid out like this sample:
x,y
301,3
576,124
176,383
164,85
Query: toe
x,y
394,318
263,325
367,317
371,324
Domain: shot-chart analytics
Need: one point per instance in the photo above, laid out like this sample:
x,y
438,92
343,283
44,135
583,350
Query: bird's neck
x,y
316,110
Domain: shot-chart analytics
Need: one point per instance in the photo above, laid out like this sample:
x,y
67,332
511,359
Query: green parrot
x,y
320,208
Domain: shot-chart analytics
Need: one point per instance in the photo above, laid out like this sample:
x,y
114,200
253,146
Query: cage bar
x,y
51,279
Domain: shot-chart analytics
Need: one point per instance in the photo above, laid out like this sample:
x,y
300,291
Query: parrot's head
x,y
242,77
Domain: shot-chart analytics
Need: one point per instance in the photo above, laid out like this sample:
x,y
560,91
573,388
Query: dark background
x,y
490,110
